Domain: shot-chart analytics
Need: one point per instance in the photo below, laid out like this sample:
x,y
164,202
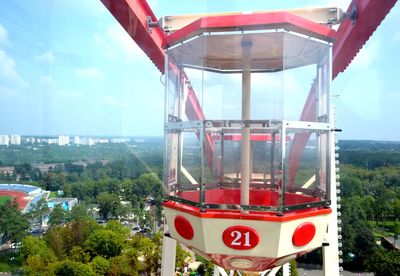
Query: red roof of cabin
x,y
260,21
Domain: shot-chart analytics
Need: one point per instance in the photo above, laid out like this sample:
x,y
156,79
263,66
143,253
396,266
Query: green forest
x,y
369,201
130,179
78,245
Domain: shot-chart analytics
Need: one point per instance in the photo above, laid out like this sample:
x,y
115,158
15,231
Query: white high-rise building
x,y
102,141
77,140
15,139
63,140
90,141
87,141
120,140
31,140
51,141
4,140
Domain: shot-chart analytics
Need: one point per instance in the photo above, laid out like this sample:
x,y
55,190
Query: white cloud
x,y
11,81
92,73
48,87
8,72
3,35
47,83
47,57
116,44
120,37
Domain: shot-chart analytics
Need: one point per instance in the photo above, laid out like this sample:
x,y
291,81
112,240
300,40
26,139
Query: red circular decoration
x,y
303,234
240,237
183,227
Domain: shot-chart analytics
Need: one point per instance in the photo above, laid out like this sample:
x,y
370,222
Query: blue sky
x,y
67,67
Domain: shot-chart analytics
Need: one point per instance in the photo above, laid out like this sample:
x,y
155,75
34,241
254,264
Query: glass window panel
x,y
212,93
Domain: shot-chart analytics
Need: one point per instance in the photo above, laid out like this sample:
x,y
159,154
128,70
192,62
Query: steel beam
x,y
133,16
363,18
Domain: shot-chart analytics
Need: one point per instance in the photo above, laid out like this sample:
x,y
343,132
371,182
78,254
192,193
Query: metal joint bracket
x,y
245,123
352,15
150,24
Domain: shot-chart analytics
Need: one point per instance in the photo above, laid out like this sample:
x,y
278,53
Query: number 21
x,y
238,238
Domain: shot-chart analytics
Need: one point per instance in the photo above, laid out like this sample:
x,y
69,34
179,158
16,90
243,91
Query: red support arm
x,y
132,14
354,32
364,16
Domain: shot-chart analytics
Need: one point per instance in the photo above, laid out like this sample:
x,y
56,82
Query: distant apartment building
x,y
80,163
103,141
51,141
120,140
87,141
7,170
102,161
15,139
45,168
63,140
4,140
30,140
77,140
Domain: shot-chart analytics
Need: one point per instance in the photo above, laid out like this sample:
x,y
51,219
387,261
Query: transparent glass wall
x,y
256,118
220,95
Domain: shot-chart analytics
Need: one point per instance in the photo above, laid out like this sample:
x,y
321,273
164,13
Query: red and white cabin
x,y
247,138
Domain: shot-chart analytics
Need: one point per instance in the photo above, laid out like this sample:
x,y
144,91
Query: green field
x,y
4,198
53,194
